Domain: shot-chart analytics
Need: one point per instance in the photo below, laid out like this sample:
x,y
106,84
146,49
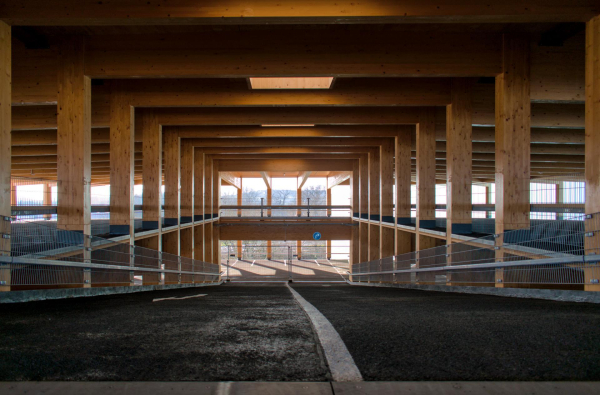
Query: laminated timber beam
x,y
187,12
267,179
480,134
544,115
337,179
266,165
302,178
558,75
231,179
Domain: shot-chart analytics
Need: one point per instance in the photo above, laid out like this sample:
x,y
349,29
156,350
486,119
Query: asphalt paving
x,y
398,334
241,333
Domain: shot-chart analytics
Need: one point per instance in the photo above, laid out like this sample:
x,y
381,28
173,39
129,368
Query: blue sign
x,y
317,236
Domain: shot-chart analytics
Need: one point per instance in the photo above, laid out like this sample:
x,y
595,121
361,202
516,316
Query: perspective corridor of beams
x,y
389,93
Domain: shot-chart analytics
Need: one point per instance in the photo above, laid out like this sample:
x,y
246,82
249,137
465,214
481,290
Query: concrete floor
x,y
259,333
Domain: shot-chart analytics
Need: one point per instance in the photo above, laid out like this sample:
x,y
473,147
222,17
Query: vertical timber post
x,y
513,138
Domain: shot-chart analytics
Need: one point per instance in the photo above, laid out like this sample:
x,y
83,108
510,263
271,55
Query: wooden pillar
x,y
216,245
208,246
328,200
216,200
13,193
239,199
299,201
374,204
208,187
74,137
592,147
364,207
459,159
425,152
151,132
387,198
47,198
187,183
199,242
198,185
513,117
355,246
122,155
299,249
186,242
364,186
5,150
240,252
269,200
403,183
355,186
171,147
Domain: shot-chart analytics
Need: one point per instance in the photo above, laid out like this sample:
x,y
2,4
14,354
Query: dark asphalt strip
x,y
396,334
233,333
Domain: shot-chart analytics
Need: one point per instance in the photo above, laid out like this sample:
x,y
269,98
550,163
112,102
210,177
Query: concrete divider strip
x,y
341,364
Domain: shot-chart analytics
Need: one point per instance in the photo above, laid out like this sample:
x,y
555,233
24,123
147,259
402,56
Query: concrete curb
x,y
64,293
340,362
546,294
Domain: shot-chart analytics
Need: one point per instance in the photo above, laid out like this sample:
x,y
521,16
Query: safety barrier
x,y
554,254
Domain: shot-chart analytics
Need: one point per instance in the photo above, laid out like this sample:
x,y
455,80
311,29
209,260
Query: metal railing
x,y
281,262
554,254
43,256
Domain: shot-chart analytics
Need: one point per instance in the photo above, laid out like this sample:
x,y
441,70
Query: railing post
x,y
131,264
161,276
5,268
179,269
87,258
261,207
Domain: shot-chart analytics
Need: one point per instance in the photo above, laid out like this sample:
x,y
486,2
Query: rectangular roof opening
x,y
290,82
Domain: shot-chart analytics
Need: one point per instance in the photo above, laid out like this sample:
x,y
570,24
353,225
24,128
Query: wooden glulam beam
x,y
337,179
303,178
557,72
267,179
267,165
480,134
231,179
544,115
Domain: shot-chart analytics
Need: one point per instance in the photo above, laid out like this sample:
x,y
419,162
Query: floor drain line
x,y
341,364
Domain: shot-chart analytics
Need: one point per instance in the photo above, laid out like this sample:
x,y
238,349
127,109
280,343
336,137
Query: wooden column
x,y
328,200
171,147
403,183
151,131
5,149
208,234
47,198
198,204
425,152
459,159
355,187
374,204
208,187
122,155
513,117
187,183
355,246
592,146
216,200
198,185
299,203
387,198
74,137
364,186
239,199
216,245
364,207
269,202
328,242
